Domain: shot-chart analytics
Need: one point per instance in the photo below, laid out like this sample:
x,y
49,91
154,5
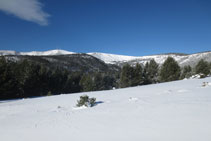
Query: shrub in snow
x,y
92,101
49,93
86,101
205,84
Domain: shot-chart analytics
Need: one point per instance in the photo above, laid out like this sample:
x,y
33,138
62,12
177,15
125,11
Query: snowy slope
x,y
183,60
175,111
112,58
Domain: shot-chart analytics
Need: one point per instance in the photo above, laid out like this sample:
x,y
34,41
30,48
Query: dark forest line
x,y
25,78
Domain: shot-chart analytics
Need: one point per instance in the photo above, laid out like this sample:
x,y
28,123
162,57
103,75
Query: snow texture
x,y
173,111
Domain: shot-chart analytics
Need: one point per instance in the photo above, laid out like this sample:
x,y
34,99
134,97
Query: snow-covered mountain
x,y
8,52
37,53
47,53
174,111
112,58
182,59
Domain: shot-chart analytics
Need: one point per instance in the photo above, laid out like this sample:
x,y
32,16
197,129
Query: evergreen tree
x,y
57,81
108,82
72,84
126,76
202,68
170,70
186,72
151,72
97,81
131,76
86,83
137,75
8,83
210,67
29,79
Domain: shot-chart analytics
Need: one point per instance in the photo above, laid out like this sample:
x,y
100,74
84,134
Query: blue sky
x,y
128,27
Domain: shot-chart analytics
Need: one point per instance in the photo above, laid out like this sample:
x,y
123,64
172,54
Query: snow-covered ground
x,y
174,111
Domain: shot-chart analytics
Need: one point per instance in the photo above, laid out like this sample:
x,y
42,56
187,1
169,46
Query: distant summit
x,y
36,53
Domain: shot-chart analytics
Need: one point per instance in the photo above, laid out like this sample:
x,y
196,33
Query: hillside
x,y
71,62
182,59
174,111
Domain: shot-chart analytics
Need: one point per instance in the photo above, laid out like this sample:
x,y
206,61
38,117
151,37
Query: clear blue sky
x,y
128,27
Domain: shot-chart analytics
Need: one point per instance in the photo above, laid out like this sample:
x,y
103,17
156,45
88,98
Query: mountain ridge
x,y
64,52
181,58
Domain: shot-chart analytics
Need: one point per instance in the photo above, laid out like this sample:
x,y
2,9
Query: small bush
x,y
92,101
204,84
49,93
86,101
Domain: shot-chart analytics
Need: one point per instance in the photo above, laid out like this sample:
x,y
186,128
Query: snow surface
x,y
174,111
112,58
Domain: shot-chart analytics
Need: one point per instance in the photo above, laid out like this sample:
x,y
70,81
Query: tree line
x,y
24,78
29,79
152,73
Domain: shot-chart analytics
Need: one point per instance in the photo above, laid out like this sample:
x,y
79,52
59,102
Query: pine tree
x,y
86,83
186,72
131,76
126,76
137,75
170,70
151,72
72,84
8,82
202,68
108,82
97,81
210,67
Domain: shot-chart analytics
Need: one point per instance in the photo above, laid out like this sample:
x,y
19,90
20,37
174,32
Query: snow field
x,y
176,111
